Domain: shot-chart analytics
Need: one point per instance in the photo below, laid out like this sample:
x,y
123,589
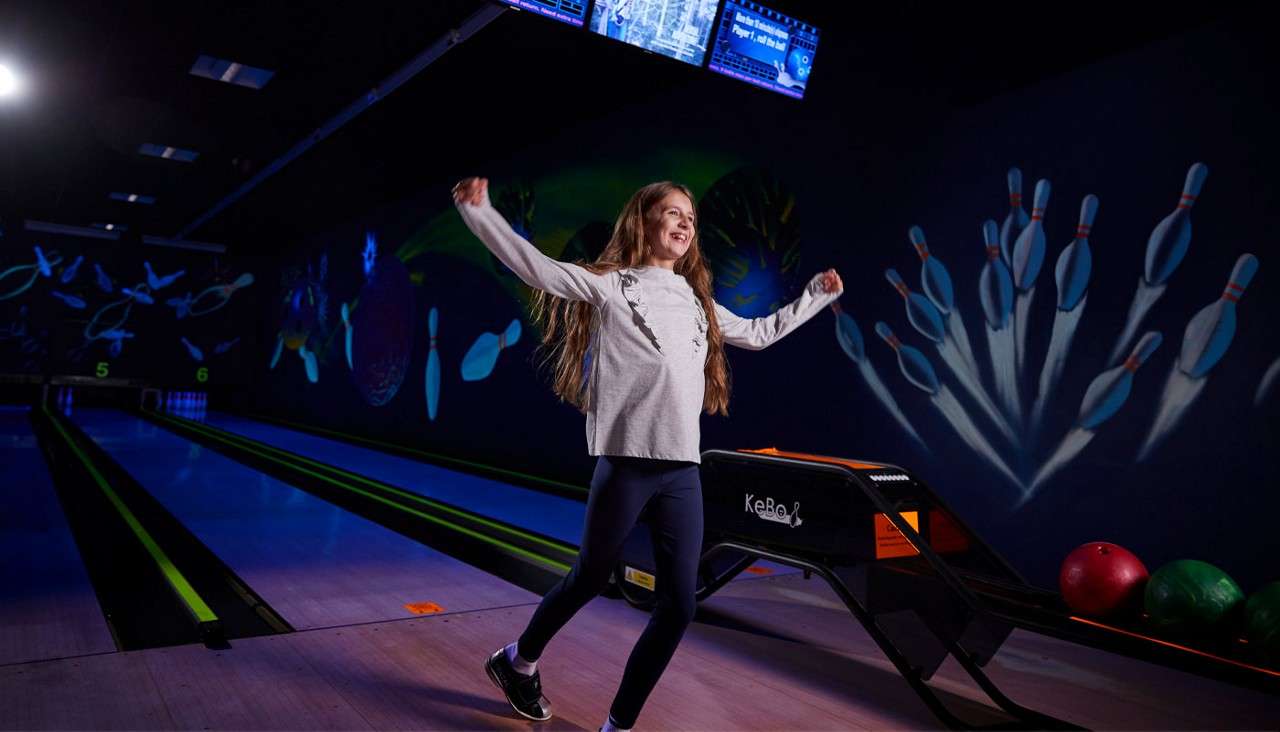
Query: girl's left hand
x,y
831,281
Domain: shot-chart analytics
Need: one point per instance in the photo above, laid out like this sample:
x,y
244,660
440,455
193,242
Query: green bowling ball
x,y
1188,596
1262,621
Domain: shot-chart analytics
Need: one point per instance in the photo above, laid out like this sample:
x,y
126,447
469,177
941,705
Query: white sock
x,y
609,726
522,667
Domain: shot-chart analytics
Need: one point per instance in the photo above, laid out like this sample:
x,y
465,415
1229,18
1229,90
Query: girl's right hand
x,y
474,191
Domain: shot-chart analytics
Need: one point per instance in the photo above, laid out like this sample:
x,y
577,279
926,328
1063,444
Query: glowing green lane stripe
x,y
431,455
291,458
407,509
179,583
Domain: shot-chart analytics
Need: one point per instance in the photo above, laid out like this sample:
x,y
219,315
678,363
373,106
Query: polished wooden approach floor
x,y
773,653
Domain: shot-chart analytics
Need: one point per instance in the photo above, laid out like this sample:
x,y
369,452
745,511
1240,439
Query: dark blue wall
x,y
866,163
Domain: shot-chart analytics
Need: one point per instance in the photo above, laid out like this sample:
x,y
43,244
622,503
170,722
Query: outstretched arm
x,y
534,268
757,333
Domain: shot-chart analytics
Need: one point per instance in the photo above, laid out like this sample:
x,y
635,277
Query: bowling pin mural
x,y
275,355
479,360
920,374
433,366
926,319
104,282
1028,257
43,264
346,327
110,317
117,338
138,294
1166,248
1105,396
995,292
849,336
210,299
1014,221
1071,275
309,362
12,282
1266,383
71,300
936,282
1204,342
225,346
194,351
156,282
69,273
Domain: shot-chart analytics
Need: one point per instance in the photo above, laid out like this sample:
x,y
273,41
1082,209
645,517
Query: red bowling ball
x,y
1101,579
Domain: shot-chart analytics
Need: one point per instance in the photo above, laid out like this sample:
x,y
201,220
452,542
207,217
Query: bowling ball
x,y
799,63
1262,622
1100,579
1189,596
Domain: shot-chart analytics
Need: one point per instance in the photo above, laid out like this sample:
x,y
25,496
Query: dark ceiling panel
x,y
108,77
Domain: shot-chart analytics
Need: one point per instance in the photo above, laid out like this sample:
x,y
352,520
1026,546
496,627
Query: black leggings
x,y
620,488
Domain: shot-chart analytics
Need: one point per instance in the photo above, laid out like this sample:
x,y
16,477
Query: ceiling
x,y
105,78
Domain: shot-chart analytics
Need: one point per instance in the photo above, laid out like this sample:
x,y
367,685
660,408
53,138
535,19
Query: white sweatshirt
x,y
649,352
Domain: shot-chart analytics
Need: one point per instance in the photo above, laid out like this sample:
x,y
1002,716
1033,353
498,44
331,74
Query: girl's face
x,y
672,227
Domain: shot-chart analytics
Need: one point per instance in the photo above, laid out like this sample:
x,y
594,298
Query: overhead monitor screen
x,y
764,47
573,12
675,28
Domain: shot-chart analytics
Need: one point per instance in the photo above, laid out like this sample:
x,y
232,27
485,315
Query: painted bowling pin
x,y
104,282
138,295
275,355
933,275
1028,250
42,264
483,354
1172,236
370,253
922,314
71,300
156,282
1108,392
1075,263
69,273
848,334
1209,333
309,361
346,323
242,281
995,285
911,361
193,349
433,366
1016,220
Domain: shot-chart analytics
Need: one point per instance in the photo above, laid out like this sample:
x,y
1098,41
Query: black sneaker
x,y
523,692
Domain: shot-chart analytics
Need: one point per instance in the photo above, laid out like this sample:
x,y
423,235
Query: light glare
x,y
8,82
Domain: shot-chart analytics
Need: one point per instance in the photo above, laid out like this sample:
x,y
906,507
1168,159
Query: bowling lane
x,y
48,608
553,516
314,563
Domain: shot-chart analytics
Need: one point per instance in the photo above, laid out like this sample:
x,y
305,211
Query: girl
x,y
656,338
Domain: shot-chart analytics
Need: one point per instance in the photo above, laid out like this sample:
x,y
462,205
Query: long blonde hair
x,y
566,324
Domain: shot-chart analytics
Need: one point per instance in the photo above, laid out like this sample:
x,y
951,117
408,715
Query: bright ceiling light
x,y
8,82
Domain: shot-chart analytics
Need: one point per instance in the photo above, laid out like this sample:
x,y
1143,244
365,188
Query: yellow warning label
x,y
636,577
889,540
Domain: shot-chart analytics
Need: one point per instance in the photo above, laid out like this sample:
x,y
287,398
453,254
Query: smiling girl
x,y
645,310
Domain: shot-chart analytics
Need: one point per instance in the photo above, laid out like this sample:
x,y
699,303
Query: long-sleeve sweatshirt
x,y
649,350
